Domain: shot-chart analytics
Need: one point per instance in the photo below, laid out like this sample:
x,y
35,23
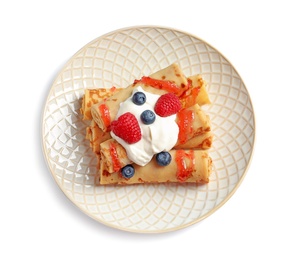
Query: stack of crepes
x,y
190,160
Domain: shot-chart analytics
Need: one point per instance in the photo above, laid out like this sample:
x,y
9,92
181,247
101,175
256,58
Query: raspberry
x,y
127,128
167,105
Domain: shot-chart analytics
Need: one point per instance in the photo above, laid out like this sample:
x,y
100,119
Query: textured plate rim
x,y
52,171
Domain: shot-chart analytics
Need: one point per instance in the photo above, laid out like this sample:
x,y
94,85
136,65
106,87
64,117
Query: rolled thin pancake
x,y
96,136
186,166
113,155
203,141
192,121
105,112
197,92
93,96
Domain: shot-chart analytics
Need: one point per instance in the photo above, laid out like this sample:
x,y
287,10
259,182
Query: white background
x,y
261,40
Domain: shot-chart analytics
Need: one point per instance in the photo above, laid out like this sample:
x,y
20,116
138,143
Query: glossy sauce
x,y
191,99
188,98
185,164
185,119
106,173
114,157
105,114
166,85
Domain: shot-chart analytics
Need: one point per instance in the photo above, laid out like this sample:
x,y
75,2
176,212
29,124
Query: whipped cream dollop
x,y
159,136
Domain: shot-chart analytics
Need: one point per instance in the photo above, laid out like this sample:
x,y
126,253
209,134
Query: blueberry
x,y
148,117
128,171
139,98
163,158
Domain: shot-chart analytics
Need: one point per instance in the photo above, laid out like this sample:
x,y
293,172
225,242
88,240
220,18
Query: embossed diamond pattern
x,y
116,59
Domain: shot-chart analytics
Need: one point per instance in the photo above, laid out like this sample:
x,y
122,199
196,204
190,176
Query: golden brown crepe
x,y
96,136
105,112
203,141
93,96
113,155
186,166
192,121
197,93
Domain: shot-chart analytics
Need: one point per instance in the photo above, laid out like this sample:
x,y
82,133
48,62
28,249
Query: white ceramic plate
x,y
116,59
